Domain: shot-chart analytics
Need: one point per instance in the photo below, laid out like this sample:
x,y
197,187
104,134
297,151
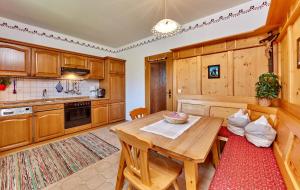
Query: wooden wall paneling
x,y
215,86
248,42
249,64
15,60
214,48
230,73
230,45
293,161
169,85
186,53
222,112
284,65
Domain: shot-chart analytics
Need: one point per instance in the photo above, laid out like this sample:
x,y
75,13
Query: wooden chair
x,y
146,172
138,113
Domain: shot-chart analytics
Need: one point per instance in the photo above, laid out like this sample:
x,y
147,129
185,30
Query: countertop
x,y
48,101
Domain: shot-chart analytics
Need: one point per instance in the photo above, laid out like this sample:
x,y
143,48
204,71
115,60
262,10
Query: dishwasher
x,y
15,127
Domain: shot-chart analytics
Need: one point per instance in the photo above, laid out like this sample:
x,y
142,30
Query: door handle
x,y
170,93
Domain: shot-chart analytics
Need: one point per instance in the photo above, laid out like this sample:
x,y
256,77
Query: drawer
x,y
96,103
48,107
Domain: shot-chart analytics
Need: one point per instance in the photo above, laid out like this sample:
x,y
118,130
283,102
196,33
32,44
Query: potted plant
x,y
4,82
267,88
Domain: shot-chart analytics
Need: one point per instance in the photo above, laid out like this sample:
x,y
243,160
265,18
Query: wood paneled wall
x,y
289,73
241,62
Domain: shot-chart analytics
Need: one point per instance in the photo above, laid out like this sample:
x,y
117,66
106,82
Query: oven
x,y
77,114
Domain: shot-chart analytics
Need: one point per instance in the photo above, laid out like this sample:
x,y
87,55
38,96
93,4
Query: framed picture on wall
x,y
298,53
214,71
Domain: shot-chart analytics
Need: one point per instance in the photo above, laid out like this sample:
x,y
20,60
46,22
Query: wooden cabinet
x,y
116,112
99,115
96,68
15,131
48,124
116,66
117,88
74,61
14,60
45,63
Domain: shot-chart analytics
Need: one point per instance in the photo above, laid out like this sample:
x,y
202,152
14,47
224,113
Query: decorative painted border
x,y
137,44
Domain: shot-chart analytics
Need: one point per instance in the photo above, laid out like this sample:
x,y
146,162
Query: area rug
x,y
39,167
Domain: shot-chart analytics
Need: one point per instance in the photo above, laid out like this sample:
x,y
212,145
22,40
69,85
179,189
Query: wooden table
x,y
192,147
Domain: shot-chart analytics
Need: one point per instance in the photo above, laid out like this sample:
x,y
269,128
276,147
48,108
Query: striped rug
x,y
38,167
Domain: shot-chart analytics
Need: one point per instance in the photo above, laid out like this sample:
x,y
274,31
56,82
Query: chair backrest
x,y
138,113
135,151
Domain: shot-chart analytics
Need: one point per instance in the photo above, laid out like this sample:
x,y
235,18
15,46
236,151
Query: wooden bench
x,y
245,166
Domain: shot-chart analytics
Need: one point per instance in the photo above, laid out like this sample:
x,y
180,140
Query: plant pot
x,y
2,87
264,102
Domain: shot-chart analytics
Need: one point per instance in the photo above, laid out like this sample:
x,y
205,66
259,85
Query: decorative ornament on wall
x,y
166,27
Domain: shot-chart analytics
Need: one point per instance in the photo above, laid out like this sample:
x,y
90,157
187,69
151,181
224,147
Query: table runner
x,y
169,130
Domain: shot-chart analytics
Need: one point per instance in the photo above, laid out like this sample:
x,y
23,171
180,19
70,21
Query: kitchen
x,y
55,92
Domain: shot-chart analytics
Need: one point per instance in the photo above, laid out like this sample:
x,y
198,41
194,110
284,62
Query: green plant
x,y
268,86
5,81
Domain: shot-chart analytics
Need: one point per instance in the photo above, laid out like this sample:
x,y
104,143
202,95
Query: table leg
x,y
215,153
191,175
120,176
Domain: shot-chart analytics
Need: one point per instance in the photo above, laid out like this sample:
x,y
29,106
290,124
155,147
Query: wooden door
x,y
14,60
15,131
100,115
74,61
48,124
116,66
45,63
96,68
158,87
159,82
116,112
248,64
117,87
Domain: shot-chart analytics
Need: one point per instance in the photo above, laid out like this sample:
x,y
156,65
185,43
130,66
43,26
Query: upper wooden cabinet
x,y
97,68
74,61
14,60
117,88
45,63
116,66
15,131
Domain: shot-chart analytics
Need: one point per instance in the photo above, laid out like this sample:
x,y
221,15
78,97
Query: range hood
x,y
76,71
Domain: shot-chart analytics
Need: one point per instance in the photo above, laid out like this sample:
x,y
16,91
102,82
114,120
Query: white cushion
x,y
260,132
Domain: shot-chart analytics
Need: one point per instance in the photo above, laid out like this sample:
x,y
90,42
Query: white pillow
x,y
237,122
260,132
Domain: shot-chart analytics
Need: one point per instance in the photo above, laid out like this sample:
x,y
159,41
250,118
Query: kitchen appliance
x,y
77,114
15,111
101,93
76,71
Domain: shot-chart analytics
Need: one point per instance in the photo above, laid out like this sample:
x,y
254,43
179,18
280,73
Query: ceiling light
x,y
166,27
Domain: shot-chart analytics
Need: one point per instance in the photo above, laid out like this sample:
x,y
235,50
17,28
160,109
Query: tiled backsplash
x,y
28,89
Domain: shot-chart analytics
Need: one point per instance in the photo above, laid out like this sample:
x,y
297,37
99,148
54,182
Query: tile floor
x,y
102,175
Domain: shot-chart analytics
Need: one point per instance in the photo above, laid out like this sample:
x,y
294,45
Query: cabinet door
x,y
117,88
49,124
45,63
99,115
14,60
116,112
15,131
116,67
96,68
74,61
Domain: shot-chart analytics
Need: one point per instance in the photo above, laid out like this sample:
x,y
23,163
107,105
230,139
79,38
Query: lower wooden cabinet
x,y
99,115
116,112
15,131
48,124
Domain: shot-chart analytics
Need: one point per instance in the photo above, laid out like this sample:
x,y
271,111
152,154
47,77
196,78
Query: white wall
x,y
18,35
135,75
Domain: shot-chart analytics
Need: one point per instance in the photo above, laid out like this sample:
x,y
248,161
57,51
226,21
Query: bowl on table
x,y
176,117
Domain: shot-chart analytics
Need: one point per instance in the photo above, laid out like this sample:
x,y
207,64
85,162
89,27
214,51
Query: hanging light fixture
x,y
166,27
